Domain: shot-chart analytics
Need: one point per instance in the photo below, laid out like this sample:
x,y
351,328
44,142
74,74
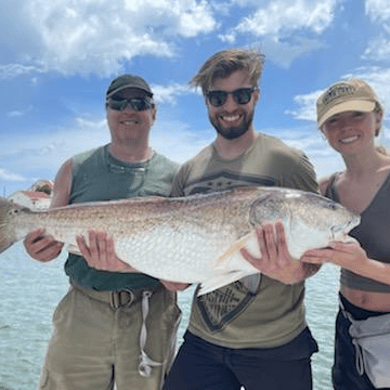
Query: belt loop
x,y
116,298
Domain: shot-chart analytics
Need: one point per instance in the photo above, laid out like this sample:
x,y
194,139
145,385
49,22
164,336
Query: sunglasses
x,y
241,96
137,104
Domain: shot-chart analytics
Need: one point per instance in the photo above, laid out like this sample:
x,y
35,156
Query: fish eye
x,y
333,206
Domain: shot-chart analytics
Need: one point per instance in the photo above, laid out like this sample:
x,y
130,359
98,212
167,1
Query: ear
x,y
379,116
256,95
378,121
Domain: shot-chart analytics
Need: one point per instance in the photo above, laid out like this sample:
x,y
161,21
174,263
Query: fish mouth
x,y
341,231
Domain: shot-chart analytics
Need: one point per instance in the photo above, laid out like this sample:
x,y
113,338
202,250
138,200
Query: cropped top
x,y
373,234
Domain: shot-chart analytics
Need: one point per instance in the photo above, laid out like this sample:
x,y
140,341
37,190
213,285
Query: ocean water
x,y
30,291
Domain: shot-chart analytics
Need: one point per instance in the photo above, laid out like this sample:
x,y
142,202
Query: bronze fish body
x,y
193,239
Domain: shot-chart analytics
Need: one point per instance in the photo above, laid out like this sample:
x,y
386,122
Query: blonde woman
x,y
350,115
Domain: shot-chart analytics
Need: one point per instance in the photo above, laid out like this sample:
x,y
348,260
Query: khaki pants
x,y
96,344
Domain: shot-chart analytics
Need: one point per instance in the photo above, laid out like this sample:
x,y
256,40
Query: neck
x,y
229,149
128,154
365,164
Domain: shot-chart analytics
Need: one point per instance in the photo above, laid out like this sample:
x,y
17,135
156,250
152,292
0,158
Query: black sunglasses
x,y
241,96
137,104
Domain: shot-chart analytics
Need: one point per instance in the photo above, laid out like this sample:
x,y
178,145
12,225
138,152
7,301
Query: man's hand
x,y
100,253
275,261
41,246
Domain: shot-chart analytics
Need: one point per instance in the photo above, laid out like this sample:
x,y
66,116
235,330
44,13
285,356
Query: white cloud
x,y
283,17
378,10
98,36
10,71
286,28
306,106
168,94
378,48
5,174
284,51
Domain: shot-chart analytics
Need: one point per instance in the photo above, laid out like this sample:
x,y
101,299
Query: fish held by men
x,y
194,239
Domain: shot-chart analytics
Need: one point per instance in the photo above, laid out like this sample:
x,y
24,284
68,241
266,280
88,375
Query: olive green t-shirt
x,y
272,313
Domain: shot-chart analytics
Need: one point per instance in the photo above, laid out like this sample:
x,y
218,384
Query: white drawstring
x,y
146,363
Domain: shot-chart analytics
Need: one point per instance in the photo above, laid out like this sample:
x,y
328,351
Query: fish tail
x,y
7,238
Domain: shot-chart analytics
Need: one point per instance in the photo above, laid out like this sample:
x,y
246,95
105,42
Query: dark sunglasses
x,y
137,104
241,96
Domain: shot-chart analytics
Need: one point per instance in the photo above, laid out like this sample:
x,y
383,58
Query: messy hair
x,y
225,62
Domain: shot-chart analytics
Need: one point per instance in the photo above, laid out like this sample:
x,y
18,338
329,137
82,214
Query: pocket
x,y
371,338
372,358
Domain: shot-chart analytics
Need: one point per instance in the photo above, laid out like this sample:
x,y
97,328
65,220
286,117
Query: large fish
x,y
194,239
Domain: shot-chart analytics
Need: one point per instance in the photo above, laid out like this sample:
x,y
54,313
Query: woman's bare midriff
x,y
373,301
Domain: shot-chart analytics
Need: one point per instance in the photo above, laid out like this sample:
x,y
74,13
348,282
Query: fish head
x,y
324,214
310,220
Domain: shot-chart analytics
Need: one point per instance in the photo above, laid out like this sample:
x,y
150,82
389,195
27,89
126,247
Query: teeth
x,y
129,122
349,139
231,118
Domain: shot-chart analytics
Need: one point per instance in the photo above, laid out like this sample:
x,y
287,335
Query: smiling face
x,y
129,125
351,131
232,120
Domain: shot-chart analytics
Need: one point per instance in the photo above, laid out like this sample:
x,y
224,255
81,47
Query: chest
x,y
358,195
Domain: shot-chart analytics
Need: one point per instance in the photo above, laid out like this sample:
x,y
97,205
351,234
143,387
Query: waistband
x,y
119,299
357,313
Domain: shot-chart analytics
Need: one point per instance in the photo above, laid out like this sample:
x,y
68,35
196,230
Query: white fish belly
x,y
187,255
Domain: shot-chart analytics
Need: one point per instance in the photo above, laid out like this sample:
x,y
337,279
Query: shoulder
x,y
199,160
326,181
160,159
194,167
83,156
290,165
279,149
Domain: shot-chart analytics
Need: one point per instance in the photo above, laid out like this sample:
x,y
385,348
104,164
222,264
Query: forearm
x,y
372,269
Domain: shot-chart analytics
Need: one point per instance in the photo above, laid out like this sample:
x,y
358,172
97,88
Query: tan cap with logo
x,y
346,95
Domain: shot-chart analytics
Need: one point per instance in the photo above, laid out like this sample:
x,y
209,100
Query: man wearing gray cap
x,y
111,327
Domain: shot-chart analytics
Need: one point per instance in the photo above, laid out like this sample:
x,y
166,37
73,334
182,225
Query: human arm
x,y
275,261
37,243
350,256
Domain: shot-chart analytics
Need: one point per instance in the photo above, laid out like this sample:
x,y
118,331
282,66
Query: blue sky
x,y
58,57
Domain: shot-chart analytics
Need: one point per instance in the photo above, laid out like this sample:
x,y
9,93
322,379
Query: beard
x,y
233,132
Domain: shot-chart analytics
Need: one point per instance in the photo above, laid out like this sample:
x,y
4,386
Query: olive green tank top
x,y
98,176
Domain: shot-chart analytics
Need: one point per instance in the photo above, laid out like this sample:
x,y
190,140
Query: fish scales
x,y
194,239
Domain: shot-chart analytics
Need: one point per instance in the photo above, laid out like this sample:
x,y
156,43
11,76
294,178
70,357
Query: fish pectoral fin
x,y
71,248
245,241
222,280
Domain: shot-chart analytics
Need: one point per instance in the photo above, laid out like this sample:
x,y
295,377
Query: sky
x,y
58,57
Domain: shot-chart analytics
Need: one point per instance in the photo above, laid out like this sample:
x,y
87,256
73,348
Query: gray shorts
x,y
97,343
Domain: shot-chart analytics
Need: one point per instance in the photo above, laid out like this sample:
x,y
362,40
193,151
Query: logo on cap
x,y
337,91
